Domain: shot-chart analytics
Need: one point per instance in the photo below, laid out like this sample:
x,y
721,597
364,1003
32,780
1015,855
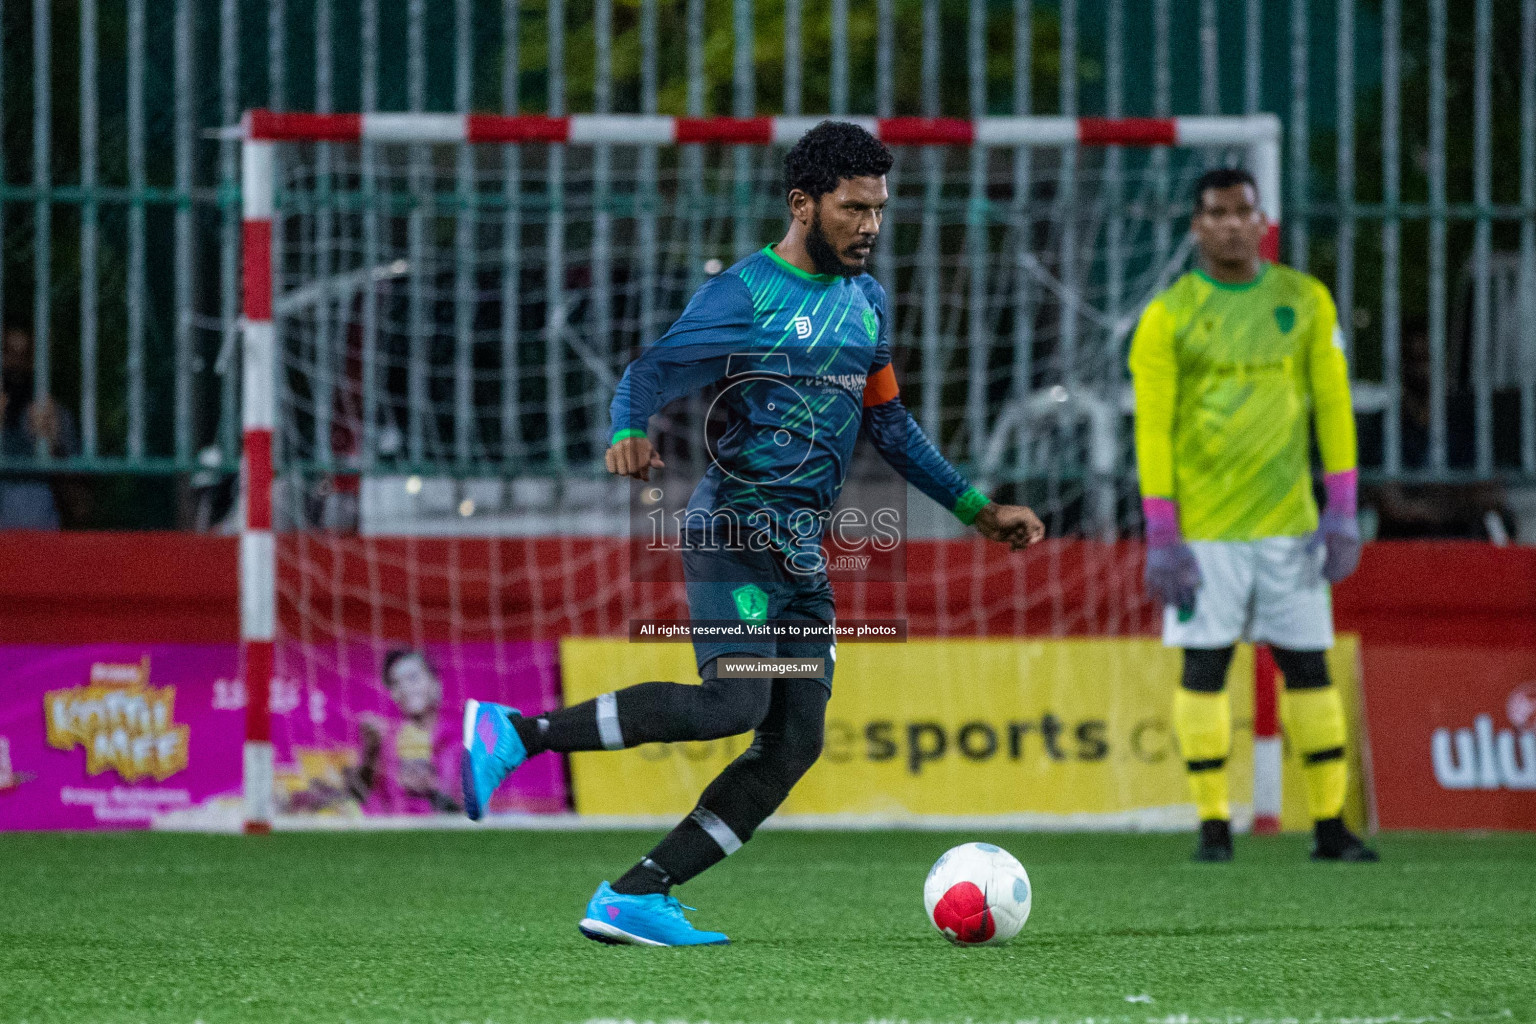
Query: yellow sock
x,y
1314,722
1203,722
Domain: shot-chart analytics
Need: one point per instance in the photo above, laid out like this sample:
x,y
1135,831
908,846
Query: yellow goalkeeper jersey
x,y
1226,379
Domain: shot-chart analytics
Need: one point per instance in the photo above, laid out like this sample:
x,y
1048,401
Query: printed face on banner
x,y
405,756
412,683
371,732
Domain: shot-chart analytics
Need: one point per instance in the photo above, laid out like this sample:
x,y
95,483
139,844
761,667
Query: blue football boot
x,y
492,749
653,920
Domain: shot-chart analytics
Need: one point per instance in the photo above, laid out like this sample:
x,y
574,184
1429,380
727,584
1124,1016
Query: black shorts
x,y
758,586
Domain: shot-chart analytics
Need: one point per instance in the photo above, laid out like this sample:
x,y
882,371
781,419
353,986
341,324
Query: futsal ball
x,y
977,895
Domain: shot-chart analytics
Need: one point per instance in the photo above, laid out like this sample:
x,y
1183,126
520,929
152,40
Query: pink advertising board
x,y
136,735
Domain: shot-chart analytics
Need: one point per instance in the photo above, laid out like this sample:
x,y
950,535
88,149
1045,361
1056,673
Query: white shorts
x,y
1263,591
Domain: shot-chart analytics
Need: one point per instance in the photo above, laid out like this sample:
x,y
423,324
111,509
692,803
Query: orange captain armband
x,y
881,386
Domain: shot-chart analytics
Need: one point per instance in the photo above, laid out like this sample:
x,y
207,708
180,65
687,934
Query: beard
x,y
822,254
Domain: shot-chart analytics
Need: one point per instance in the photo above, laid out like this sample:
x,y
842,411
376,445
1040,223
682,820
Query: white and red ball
x,y
977,894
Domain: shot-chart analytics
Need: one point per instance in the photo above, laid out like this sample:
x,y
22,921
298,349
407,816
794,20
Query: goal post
x,y
1007,339
258,560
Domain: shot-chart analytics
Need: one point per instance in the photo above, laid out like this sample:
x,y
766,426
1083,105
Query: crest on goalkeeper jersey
x,y
1285,318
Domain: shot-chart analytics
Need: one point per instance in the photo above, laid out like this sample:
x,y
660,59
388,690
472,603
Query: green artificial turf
x,y
481,926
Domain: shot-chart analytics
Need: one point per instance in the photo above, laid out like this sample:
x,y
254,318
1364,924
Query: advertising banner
x,y
114,735
133,736
1453,736
1054,733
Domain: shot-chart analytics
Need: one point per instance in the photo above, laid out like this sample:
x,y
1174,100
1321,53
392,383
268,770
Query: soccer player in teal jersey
x,y
798,335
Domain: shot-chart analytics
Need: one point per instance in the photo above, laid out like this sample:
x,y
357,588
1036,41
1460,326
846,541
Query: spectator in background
x,y
31,501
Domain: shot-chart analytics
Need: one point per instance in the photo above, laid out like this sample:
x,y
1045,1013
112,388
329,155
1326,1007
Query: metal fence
x,y
120,207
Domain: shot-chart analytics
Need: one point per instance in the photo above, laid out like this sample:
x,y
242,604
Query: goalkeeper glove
x,y
1172,575
1338,533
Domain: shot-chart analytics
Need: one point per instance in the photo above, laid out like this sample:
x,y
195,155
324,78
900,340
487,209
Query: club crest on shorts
x,y
751,603
872,324
1285,318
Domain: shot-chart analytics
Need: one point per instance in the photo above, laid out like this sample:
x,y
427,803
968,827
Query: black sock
x,y
643,879
687,850
531,731
573,728
741,797
655,712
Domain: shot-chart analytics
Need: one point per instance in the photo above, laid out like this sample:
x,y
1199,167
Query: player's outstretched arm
x,y
1338,531
902,443
633,457
1014,525
693,354
1171,574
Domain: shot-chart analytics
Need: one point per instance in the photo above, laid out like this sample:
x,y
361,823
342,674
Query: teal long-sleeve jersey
x,y
803,362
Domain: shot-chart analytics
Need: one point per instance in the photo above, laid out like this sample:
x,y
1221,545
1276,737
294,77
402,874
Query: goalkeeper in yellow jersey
x,y
1235,367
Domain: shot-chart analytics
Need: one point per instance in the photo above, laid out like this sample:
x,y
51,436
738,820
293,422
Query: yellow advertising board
x,y
1044,732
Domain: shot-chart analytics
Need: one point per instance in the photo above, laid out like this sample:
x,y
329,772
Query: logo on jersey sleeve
x,y
1285,318
872,325
751,603
802,326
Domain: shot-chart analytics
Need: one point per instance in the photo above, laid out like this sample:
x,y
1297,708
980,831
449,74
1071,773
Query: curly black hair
x,y
830,152
1222,177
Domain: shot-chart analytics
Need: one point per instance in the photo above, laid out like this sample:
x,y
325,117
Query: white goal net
x,y
450,315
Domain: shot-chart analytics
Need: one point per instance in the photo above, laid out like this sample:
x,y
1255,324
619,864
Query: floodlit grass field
x,y
827,927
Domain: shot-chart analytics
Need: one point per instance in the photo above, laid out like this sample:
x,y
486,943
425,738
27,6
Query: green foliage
x,y
768,57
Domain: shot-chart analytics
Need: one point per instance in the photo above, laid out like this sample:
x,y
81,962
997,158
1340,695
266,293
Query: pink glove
x,y
1338,532
1172,575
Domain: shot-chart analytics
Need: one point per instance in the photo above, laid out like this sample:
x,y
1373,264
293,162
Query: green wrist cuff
x,y
619,435
970,503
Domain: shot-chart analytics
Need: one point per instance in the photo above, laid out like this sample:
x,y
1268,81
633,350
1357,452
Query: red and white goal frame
x,y
260,131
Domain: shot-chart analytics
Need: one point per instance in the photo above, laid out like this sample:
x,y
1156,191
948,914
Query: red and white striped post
x,y
1267,791
1266,743
1259,134
258,595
